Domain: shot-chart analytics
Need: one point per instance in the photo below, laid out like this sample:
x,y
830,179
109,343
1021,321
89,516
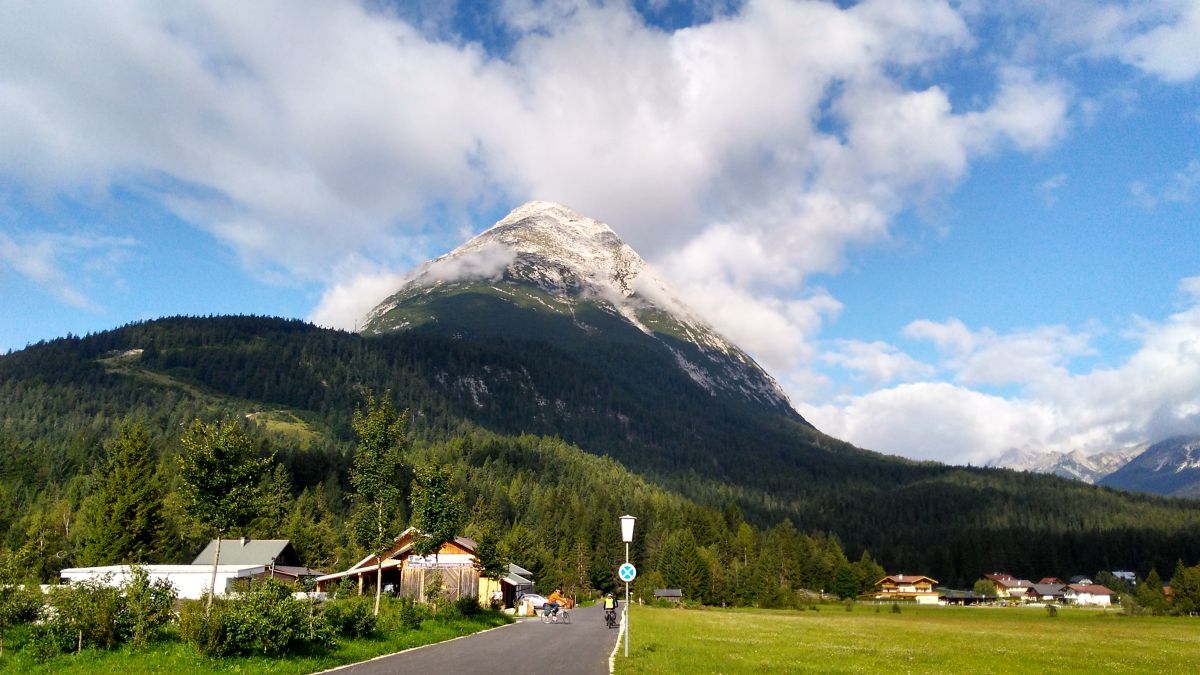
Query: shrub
x,y
467,606
1051,611
264,619
205,632
147,606
895,608
352,617
346,588
409,614
87,611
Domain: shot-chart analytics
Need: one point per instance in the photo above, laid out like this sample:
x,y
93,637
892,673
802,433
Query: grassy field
x,y
918,640
178,658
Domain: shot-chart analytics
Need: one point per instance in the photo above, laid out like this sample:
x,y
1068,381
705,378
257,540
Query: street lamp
x,y
627,536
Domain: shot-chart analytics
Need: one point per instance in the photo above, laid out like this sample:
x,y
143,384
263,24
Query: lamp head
x,y
627,528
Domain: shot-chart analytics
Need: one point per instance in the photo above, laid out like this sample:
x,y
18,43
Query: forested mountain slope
x,y
297,385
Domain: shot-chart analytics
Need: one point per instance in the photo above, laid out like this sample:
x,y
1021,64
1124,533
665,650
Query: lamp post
x,y
627,536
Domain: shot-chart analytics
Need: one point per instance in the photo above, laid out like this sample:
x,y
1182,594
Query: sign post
x,y
627,572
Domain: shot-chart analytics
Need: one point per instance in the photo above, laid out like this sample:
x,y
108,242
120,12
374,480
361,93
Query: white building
x,y
190,581
1087,594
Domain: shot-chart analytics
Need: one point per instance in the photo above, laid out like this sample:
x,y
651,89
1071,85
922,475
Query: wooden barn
x,y
405,573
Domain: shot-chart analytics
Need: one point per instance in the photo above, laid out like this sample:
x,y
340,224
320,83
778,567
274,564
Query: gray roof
x,y
248,552
1049,589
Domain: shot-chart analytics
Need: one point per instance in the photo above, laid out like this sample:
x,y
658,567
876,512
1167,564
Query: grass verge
x,y
177,658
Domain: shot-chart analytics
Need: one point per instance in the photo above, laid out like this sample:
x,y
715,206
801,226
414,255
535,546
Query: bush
x,y
895,608
147,607
410,614
467,606
206,633
352,617
1051,611
264,619
82,614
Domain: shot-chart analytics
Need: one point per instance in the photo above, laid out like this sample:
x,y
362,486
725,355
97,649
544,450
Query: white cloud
x,y
985,358
1182,187
1153,394
64,264
1049,188
343,305
303,133
485,262
1169,50
878,362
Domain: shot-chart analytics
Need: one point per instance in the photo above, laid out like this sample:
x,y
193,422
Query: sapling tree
x,y
220,476
376,477
437,511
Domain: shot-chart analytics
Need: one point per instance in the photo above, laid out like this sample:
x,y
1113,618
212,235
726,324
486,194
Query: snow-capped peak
x,y
571,258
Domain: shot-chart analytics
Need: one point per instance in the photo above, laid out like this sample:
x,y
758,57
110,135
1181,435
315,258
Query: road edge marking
x,y
612,656
413,649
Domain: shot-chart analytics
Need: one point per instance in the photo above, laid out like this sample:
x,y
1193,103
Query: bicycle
x,y
563,615
610,618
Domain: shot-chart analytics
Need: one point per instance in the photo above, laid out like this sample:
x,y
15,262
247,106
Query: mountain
x,y
530,338
1170,467
544,258
1074,465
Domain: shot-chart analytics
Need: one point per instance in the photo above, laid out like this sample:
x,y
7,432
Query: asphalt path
x,y
583,646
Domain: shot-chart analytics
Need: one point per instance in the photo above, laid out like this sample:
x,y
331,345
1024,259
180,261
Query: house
x,y
508,588
907,587
1087,594
1125,575
949,596
1080,579
241,559
406,573
1052,580
1048,592
1010,587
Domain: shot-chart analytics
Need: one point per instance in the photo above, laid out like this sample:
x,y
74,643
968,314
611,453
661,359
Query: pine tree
x,y
123,521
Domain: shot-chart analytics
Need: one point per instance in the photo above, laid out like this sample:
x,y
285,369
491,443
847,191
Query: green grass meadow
x,y
929,639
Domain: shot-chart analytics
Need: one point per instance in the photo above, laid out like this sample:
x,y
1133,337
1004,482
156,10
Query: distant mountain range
x,y
1074,465
1170,467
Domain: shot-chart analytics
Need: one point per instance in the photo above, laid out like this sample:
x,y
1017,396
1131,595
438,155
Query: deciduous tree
x,y
376,477
220,476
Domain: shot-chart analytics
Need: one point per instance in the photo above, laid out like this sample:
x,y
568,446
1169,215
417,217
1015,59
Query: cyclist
x,y
555,601
610,609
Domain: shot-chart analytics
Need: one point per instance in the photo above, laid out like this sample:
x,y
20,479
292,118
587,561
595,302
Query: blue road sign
x,y
627,572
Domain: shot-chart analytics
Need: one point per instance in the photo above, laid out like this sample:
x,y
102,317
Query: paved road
x,y
581,647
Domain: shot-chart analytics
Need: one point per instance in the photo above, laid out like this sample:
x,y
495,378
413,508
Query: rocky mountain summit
x,y
547,259
1169,467
1074,465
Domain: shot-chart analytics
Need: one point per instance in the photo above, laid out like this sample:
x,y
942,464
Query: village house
x,y
1087,594
1048,592
1009,587
908,588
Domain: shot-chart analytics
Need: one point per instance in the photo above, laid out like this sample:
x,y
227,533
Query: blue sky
x,y
949,229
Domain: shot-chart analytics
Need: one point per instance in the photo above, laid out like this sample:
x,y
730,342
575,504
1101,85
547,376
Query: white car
x,y
533,598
